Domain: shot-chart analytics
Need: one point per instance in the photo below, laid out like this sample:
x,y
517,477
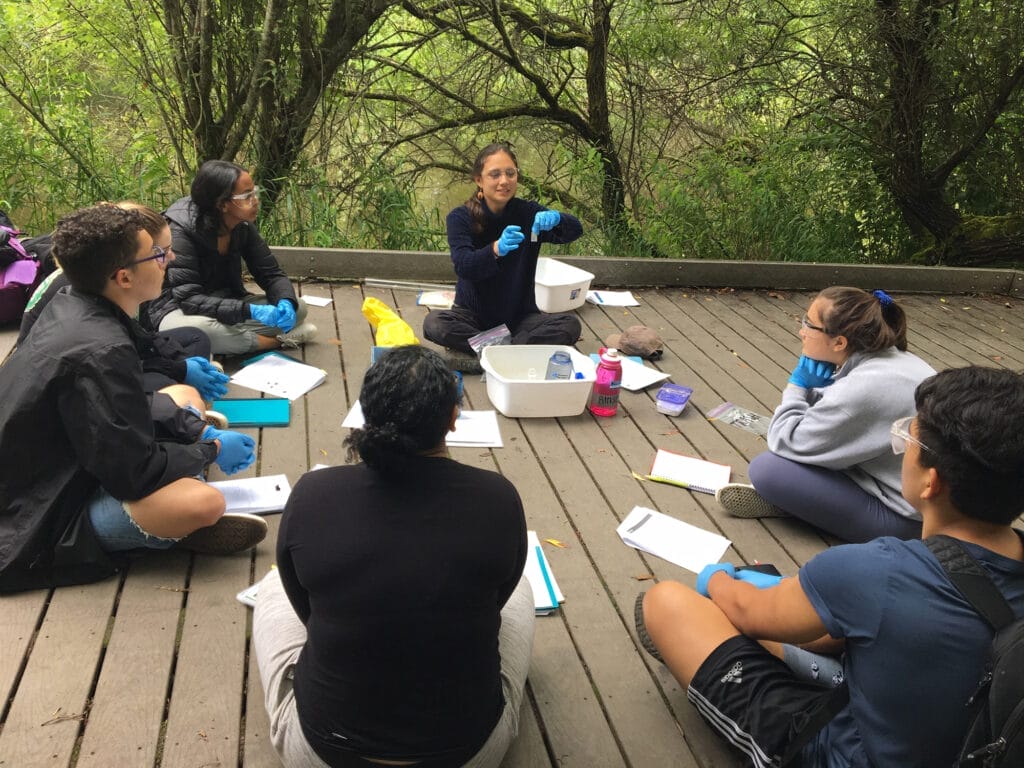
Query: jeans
x,y
115,528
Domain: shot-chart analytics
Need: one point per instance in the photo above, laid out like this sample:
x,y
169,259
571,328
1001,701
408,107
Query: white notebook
x,y
688,472
546,594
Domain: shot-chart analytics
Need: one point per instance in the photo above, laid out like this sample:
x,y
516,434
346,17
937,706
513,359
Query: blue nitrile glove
x,y
758,579
545,220
710,570
812,373
264,313
285,315
510,239
237,451
201,374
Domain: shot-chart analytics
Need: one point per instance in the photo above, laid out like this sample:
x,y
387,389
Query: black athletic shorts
x,y
758,705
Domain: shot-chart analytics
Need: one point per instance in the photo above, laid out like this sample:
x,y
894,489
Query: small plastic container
x,y
672,398
559,367
560,287
516,385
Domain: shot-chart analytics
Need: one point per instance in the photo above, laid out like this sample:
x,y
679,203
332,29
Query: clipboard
x,y
255,411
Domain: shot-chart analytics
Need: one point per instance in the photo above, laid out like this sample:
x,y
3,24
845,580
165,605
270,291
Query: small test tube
x,y
534,234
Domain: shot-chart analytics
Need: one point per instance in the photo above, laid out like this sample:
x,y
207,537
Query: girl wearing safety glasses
x,y
830,460
213,232
495,240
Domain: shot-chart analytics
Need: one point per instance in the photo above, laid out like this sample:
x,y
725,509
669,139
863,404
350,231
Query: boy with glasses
x,y
84,477
913,647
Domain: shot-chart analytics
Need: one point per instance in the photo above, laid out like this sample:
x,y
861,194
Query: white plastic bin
x,y
560,287
516,385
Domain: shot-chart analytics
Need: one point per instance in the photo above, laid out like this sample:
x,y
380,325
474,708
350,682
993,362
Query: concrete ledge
x,y
427,266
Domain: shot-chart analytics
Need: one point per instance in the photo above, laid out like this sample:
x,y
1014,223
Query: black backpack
x,y
995,736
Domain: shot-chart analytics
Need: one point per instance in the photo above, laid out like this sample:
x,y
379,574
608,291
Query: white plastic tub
x,y
516,385
560,287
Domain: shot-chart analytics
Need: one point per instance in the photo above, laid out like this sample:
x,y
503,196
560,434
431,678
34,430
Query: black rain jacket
x,y
74,417
202,282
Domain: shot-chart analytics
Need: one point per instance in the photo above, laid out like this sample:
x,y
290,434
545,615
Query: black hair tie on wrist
x,y
883,298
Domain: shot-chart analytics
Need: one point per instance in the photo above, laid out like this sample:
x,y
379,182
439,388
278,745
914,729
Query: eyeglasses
x,y
900,435
497,173
811,326
159,256
248,198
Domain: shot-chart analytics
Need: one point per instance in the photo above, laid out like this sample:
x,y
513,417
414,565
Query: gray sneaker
x,y
462,361
742,500
641,629
234,532
297,336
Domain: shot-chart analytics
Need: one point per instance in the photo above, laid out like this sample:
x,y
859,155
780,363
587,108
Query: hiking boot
x,y
462,361
297,336
234,532
216,419
641,629
741,500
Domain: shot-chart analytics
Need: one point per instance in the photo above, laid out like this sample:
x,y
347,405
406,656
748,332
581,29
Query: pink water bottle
x,y
604,399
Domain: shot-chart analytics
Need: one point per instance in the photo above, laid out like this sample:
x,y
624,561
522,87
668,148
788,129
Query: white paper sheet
x,y
671,539
316,301
612,298
636,376
280,376
473,429
255,495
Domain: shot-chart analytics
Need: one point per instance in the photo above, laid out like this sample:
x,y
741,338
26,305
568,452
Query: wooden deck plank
x,y
52,698
21,614
127,709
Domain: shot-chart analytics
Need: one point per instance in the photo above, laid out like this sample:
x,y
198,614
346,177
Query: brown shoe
x,y
234,532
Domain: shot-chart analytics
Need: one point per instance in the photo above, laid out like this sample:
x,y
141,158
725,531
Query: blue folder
x,y
255,411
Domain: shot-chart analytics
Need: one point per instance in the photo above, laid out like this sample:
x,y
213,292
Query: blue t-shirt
x,y
915,649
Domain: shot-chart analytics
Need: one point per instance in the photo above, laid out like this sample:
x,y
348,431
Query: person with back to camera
x,y
397,627
914,648
214,230
829,461
84,474
495,240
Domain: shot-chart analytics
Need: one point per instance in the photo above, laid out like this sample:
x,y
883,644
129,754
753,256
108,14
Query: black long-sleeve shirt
x,y
400,582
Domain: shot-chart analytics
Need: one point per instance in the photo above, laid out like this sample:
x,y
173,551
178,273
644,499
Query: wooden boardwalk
x,y
153,668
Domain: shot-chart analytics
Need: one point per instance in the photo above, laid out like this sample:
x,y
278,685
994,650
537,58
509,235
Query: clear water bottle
x,y
604,399
559,367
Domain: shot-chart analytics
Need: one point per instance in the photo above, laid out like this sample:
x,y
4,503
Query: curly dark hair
x,y
407,400
92,243
972,420
869,322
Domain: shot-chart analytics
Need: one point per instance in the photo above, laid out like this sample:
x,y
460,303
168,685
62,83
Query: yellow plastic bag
x,y
389,329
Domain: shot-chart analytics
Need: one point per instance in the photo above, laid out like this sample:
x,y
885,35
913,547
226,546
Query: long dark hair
x,y
213,185
870,322
475,204
407,400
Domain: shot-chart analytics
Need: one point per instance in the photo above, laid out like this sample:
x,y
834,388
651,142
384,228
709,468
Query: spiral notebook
x,y
688,472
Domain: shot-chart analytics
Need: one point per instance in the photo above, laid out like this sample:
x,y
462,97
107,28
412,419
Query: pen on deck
x,y
599,299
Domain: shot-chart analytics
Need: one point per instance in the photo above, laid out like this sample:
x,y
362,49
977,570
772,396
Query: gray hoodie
x,y
845,426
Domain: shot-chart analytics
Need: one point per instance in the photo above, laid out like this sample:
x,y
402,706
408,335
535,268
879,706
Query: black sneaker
x,y
462,361
641,629
234,532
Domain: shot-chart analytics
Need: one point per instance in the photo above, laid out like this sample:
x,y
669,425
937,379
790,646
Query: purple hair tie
x,y
883,298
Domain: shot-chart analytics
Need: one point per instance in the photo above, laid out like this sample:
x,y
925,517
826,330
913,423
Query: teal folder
x,y
255,411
